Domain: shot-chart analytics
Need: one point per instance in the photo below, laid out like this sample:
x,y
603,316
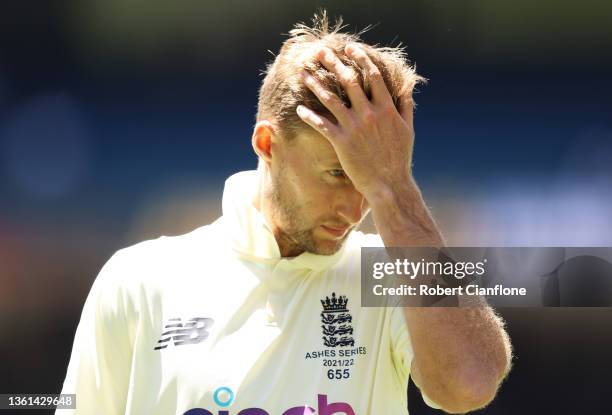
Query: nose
x,y
350,205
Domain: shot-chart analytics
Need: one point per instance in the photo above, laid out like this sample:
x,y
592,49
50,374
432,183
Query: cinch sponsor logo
x,y
224,397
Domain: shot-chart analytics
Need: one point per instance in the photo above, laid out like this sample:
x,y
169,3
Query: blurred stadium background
x,y
120,120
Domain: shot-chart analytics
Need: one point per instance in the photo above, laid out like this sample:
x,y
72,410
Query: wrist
x,y
391,193
402,217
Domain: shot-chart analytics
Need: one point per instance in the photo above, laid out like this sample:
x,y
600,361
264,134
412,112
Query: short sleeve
x,y
402,350
99,368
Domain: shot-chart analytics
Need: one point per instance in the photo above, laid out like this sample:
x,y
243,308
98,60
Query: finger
x,y
321,124
407,107
330,100
346,75
380,93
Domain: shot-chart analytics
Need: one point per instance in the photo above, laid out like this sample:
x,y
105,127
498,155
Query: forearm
x,y
461,354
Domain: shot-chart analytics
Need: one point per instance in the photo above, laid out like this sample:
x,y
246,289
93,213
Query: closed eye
x,y
339,173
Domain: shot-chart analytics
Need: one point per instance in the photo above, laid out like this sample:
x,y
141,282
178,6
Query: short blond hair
x,y
283,90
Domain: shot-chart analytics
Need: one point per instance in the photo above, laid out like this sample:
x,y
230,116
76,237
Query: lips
x,y
335,231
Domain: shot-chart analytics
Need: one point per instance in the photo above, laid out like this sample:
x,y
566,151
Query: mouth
x,y
337,232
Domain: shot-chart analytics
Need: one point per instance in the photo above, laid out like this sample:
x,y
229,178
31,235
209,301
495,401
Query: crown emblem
x,y
334,304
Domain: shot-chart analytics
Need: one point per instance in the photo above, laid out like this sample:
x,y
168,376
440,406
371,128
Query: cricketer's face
x,y
314,205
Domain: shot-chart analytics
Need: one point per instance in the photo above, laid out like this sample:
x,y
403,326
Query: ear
x,y
261,141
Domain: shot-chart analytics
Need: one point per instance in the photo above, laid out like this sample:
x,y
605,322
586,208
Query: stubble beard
x,y
295,234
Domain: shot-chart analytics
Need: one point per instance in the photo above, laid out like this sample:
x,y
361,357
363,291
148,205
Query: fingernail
x,y
302,111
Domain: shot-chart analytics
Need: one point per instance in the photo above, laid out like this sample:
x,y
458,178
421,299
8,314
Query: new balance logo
x,y
194,330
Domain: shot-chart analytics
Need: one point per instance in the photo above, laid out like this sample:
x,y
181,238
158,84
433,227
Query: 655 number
x,y
338,374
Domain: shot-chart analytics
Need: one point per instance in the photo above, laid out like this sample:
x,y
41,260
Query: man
x,y
258,313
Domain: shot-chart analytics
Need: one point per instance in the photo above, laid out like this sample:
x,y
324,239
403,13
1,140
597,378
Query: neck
x,y
261,201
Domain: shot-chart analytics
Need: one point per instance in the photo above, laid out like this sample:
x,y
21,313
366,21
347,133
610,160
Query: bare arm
x,y
461,354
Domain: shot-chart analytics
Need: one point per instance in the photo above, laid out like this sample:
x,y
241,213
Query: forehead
x,y
313,146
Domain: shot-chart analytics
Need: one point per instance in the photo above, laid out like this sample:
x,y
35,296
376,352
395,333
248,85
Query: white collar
x,y
249,232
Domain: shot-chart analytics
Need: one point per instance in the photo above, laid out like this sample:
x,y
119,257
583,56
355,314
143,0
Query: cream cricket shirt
x,y
216,322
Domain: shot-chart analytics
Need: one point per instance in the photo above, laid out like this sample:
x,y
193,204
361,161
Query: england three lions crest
x,y
336,319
